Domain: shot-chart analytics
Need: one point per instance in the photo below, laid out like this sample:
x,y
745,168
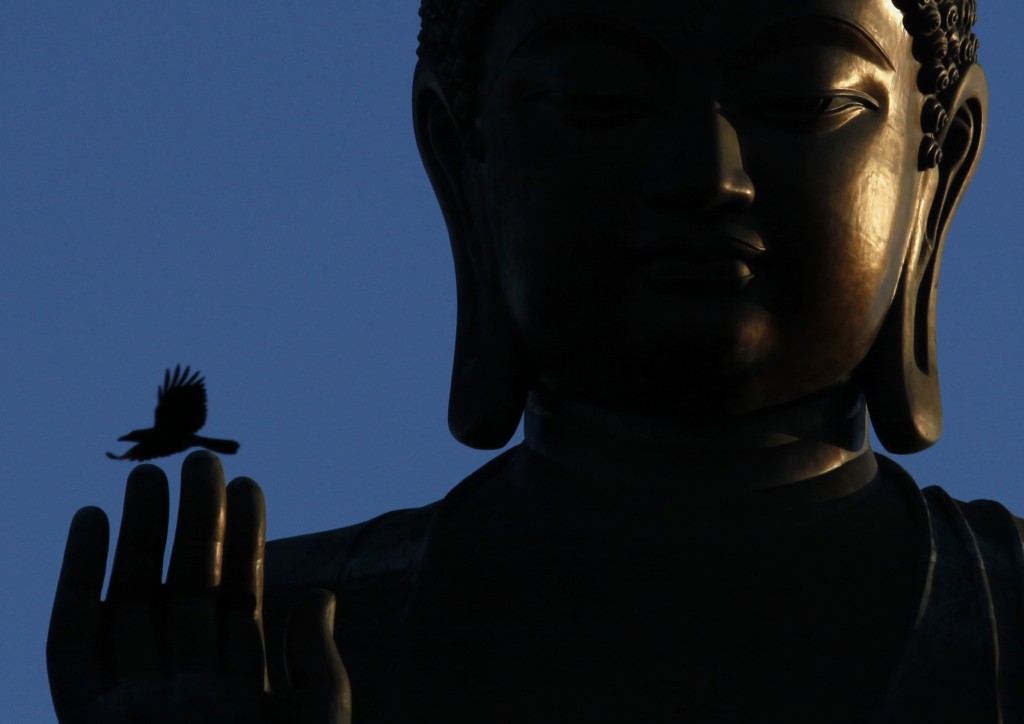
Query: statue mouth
x,y
724,274
718,259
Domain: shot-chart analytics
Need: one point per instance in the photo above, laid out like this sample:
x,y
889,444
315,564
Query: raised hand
x,y
190,649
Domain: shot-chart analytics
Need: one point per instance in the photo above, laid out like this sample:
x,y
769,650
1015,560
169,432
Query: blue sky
x,y
235,186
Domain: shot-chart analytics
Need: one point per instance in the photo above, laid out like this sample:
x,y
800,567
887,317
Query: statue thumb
x,y
320,691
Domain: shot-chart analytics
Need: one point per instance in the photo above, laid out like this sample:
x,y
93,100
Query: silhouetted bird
x,y
180,413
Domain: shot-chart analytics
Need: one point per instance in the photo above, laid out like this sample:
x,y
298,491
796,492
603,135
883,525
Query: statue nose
x,y
702,169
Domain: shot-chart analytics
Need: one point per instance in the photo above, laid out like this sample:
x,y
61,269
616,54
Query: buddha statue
x,y
697,245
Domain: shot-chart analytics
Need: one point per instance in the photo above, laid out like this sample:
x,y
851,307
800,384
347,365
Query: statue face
x,y
700,206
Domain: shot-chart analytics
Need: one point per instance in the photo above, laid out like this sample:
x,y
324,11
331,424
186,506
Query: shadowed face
x,y
697,206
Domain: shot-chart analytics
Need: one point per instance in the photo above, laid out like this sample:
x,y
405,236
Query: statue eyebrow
x,y
584,26
811,30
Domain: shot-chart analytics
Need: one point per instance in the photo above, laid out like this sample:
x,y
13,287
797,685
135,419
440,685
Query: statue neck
x,y
728,457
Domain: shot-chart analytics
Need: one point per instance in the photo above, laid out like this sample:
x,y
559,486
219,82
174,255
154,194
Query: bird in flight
x,y
180,413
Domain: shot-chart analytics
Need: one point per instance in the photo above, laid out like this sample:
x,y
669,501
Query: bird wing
x,y
181,402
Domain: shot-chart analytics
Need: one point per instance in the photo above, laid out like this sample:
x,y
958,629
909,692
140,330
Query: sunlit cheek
x,y
877,220
864,284
892,179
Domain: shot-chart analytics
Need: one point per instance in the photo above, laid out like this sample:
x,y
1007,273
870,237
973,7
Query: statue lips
x,y
714,259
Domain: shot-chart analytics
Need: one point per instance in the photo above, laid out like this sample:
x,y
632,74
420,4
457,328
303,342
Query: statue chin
x,y
691,387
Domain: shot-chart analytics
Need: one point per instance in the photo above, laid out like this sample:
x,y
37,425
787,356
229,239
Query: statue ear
x,y
489,380
901,373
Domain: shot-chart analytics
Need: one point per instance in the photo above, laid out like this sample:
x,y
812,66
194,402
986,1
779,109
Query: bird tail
x,y
224,447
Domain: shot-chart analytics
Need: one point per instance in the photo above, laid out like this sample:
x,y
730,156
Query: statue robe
x,y
508,604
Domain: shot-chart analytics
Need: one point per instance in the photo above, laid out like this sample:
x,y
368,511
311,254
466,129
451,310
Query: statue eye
x,y
825,111
594,110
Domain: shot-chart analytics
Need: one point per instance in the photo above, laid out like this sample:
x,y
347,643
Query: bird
x,y
180,413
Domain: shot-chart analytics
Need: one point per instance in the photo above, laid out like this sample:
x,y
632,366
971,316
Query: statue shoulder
x,y
387,544
991,541
370,567
997,533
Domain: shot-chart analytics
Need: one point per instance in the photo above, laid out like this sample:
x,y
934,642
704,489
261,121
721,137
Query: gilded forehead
x,y
706,24
459,37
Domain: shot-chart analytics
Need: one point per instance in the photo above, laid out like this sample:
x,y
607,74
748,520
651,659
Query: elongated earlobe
x,y
489,384
902,380
489,374
901,375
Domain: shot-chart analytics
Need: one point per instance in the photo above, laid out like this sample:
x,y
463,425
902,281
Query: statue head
x,y
698,209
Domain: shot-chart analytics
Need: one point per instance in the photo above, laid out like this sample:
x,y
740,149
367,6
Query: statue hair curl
x,y
453,34
945,46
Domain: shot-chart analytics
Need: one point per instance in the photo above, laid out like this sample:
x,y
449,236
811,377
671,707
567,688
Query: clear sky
x,y
234,185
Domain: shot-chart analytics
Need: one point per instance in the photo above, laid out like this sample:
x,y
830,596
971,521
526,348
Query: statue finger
x,y
75,679
320,685
195,568
133,597
241,594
